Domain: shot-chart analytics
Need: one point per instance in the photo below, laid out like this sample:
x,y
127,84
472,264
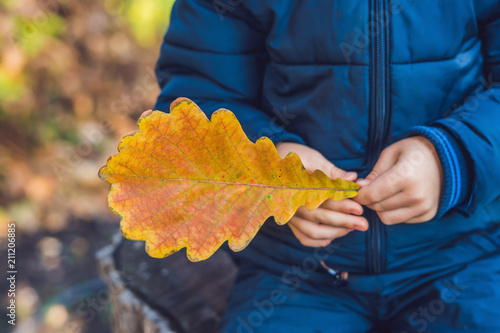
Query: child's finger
x,y
333,218
362,182
307,241
398,215
146,113
381,188
346,206
351,176
317,231
422,217
386,161
399,200
333,172
129,134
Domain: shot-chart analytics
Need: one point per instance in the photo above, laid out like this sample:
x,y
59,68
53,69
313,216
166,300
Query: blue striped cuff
x,y
456,187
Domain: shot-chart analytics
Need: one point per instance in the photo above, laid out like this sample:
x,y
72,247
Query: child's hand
x,y
332,219
405,184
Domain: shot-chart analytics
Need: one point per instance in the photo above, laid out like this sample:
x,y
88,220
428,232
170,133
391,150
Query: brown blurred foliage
x,y
74,77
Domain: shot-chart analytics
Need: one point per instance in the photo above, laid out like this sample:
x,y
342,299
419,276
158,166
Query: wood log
x,y
170,295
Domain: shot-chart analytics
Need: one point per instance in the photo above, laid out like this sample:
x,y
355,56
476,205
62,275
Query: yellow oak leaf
x,y
182,181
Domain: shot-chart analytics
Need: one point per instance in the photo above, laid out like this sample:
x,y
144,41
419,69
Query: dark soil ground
x,y
58,288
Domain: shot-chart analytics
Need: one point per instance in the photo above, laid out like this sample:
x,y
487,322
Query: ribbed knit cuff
x,y
453,162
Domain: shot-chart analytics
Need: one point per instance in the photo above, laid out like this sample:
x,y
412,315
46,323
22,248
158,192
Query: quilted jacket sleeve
x,y
215,56
468,139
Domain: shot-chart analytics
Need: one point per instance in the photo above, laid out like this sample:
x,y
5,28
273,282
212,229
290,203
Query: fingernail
x,y
359,227
146,113
129,134
348,175
356,211
363,182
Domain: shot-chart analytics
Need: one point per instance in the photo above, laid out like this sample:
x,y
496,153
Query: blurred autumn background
x,y
74,77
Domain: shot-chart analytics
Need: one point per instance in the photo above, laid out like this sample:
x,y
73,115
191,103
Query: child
x,y
397,95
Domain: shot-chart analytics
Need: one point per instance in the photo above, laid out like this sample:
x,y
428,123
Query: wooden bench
x,y
164,295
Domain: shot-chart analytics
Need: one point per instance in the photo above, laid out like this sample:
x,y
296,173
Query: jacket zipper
x,y
379,122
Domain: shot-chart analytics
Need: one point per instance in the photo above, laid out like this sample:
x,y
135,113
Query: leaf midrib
x,y
238,183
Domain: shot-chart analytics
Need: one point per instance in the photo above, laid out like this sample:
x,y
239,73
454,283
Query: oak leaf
x,y
182,181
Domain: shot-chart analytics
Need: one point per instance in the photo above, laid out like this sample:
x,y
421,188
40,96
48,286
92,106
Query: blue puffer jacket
x,y
348,78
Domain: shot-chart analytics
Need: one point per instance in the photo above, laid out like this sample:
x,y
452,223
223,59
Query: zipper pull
x,y
340,278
